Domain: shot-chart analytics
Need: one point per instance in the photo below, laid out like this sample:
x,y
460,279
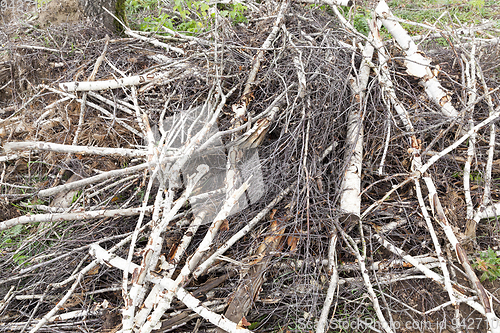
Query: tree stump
x,y
60,11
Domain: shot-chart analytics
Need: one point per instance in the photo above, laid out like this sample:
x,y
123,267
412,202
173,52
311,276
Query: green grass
x,y
459,13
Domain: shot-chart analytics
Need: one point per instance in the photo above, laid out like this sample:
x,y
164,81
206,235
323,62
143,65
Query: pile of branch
x,y
259,175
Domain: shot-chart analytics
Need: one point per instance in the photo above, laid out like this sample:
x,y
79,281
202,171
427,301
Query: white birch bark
x,y
109,84
94,179
72,216
493,321
493,116
191,302
470,74
384,77
332,286
240,234
416,63
428,272
152,300
154,41
347,3
166,298
487,212
72,149
350,201
152,253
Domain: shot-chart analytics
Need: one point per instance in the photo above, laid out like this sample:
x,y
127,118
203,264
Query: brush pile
x,y
287,174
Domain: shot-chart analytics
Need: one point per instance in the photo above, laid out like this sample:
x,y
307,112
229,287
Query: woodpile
x,y
291,173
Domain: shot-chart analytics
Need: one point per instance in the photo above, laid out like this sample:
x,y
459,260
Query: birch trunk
x,y
416,63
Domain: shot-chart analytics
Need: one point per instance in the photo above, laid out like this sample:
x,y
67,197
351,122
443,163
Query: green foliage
x,y
254,325
236,12
10,239
360,22
20,239
359,18
321,7
9,235
141,194
489,265
189,16
476,176
135,6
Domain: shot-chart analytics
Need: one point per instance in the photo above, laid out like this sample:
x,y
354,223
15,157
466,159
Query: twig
x,y
386,148
7,298
73,149
470,72
153,249
72,216
84,97
72,252
240,234
347,3
129,297
194,259
240,110
169,269
439,34
350,199
63,300
388,194
332,287
119,104
196,140
428,272
114,184
99,108
384,77
104,256
97,178
253,277
437,246
109,84
364,273
493,116
154,42
484,210
440,217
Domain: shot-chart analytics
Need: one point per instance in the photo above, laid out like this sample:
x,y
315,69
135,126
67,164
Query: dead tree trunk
x,y
93,9
59,12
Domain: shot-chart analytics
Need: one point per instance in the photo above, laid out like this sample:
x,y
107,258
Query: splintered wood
x,y
275,173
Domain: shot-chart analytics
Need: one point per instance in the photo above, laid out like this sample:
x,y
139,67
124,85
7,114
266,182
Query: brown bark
x,y
250,286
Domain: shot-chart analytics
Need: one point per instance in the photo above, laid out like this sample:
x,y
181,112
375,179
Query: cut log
x,y
250,286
